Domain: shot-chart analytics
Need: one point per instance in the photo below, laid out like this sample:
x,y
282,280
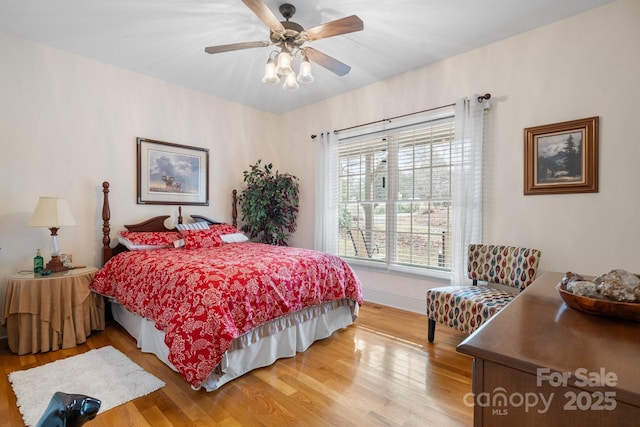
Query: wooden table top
x,y
538,330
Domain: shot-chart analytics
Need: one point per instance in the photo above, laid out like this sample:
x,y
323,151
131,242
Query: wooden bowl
x,y
600,306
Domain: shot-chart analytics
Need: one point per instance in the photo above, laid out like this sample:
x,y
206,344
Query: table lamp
x,y
52,213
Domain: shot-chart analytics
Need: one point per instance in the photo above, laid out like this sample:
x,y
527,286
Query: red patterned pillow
x,y
196,239
148,239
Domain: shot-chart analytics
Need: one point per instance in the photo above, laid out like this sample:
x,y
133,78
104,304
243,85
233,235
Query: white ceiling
x,y
166,38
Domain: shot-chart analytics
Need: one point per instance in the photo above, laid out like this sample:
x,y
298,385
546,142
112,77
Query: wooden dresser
x,y
540,362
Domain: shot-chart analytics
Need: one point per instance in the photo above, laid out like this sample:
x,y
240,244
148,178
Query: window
x,y
394,193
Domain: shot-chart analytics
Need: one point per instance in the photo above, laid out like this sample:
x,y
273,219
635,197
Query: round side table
x,y
47,313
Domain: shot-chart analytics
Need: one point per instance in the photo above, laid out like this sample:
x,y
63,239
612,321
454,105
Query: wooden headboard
x,y
152,224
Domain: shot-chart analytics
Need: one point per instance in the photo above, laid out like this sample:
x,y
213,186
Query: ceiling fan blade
x,y
346,25
264,13
327,62
235,46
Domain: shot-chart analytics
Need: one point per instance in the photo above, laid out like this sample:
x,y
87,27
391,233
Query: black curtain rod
x,y
481,98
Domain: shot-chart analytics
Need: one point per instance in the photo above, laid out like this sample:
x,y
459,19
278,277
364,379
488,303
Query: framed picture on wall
x,y
172,174
561,157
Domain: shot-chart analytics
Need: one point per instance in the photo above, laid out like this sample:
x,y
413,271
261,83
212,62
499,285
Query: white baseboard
x,y
403,302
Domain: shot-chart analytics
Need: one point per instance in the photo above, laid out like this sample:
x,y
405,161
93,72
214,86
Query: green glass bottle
x,y
38,263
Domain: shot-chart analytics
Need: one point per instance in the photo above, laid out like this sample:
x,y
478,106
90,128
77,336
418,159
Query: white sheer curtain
x,y
466,225
326,223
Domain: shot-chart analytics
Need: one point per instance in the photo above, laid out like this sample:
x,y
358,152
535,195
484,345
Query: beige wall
x,y
584,66
68,123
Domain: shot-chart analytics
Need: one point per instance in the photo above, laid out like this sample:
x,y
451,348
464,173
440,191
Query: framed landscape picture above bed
x,y
172,174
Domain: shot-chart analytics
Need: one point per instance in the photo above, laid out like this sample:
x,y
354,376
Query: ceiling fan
x,y
290,36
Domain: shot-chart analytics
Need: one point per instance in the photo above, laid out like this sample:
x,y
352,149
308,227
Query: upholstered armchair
x,y
466,308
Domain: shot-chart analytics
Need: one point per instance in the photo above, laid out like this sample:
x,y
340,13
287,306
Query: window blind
x,y
394,189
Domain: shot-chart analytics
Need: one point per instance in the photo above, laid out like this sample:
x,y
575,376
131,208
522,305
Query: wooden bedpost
x,y
179,214
234,209
106,229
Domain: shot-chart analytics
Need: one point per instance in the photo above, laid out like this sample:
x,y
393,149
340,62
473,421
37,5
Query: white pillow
x,y
234,238
134,247
201,225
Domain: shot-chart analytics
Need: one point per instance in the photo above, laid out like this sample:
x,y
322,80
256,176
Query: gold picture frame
x,y
561,157
171,174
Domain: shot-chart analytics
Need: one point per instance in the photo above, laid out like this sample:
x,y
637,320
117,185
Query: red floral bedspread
x,y
204,298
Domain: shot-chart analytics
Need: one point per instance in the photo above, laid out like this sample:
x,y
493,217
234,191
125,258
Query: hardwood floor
x,y
379,372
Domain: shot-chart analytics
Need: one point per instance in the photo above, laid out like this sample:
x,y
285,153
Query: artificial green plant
x,y
269,204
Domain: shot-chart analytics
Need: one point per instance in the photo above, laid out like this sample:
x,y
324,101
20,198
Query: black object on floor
x,y
69,410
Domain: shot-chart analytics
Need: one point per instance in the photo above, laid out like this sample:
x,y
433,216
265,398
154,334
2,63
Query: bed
x,y
213,306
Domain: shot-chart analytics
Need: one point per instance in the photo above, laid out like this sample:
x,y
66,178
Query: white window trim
x,y
388,265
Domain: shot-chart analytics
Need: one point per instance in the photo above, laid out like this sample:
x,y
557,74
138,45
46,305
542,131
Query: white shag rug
x,y
104,373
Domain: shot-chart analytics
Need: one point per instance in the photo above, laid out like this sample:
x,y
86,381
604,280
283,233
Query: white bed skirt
x,y
259,347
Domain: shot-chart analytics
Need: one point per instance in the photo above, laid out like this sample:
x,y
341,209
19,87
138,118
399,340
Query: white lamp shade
x,y
305,76
290,82
284,63
270,75
51,212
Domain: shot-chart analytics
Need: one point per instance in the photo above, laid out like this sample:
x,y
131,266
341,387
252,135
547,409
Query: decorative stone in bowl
x,y
614,294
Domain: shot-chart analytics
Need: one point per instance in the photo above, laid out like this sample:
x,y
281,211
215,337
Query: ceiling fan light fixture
x,y
289,36
305,76
270,75
290,82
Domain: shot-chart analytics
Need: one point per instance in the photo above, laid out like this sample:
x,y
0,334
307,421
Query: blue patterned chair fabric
x,y
466,308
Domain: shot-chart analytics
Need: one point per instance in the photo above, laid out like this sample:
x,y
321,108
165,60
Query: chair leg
x,y
431,330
